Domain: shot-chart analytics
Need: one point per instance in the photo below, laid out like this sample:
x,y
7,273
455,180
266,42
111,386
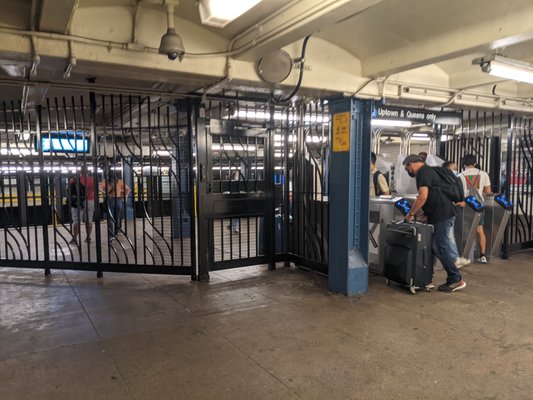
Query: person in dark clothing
x,y
438,209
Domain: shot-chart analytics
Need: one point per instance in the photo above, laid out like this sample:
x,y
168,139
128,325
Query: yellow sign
x,y
341,131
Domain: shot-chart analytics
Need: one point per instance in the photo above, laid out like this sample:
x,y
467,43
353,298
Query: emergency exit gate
x,y
258,173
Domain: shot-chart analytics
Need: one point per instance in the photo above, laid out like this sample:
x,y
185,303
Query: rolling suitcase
x,y
408,257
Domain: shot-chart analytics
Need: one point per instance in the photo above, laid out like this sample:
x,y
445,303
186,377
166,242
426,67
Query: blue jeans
x,y
115,215
445,249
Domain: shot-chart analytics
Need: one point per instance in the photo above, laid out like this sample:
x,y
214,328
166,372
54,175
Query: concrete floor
x,y
257,334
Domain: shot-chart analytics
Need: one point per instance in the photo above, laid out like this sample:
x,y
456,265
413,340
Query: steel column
x,y
348,195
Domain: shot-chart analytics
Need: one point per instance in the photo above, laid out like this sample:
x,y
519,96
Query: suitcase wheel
x,y
412,289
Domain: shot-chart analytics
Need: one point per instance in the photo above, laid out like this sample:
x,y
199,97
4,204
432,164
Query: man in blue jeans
x,y
438,209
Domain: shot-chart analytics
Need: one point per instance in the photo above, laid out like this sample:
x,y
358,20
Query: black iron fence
x,y
517,182
99,183
108,183
503,146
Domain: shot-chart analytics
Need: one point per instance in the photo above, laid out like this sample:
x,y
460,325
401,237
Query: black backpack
x,y
451,186
76,194
377,187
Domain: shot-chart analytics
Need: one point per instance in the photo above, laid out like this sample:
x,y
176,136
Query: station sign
x,y
64,142
417,115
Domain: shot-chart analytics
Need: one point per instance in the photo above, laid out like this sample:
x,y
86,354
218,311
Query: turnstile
x,y
466,222
498,210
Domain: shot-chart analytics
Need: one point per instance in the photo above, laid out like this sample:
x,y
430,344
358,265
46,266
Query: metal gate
x,y
503,145
517,181
263,185
128,157
482,134
304,147
235,196
259,171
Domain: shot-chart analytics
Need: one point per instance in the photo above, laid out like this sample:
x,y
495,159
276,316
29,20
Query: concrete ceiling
x,y
429,42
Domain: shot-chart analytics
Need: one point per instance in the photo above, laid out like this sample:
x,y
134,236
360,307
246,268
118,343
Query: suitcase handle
x,y
398,231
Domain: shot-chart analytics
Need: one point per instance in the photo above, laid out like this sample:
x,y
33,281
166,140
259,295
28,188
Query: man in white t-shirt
x,y
476,183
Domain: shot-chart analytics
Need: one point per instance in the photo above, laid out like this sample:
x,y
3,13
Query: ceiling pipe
x,y
136,14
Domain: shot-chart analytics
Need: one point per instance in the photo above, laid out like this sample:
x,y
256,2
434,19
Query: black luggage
x,y
408,257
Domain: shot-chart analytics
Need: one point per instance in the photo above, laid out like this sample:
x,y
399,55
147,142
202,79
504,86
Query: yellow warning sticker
x,y
341,131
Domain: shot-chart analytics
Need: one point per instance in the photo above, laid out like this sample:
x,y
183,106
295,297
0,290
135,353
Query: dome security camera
x,y
172,45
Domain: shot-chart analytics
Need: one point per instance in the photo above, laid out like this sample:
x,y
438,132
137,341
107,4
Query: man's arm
x,y
487,188
423,192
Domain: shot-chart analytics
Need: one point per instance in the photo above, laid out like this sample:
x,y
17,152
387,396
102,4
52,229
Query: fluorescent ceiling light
x,y
420,135
219,13
507,68
391,122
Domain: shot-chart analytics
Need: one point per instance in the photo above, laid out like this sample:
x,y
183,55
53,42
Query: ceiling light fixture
x,y
507,68
171,43
219,13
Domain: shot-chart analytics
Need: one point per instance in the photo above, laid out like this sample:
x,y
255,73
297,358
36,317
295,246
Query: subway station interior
x,y
188,209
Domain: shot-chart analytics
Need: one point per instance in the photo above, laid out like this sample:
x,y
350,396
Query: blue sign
x,y
65,142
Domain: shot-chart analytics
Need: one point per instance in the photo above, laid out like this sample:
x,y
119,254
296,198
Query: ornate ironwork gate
x,y
260,172
518,183
235,186
503,145
126,158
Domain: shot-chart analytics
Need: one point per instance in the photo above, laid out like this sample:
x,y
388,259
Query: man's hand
x,y
409,218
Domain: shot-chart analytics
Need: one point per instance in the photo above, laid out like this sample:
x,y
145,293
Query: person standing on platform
x,y
116,191
81,195
438,209
476,183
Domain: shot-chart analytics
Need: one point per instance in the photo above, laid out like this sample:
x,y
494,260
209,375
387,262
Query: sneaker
x,y
461,262
88,240
236,231
73,241
452,287
482,260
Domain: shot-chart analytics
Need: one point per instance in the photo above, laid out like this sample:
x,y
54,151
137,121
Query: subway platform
x,y
258,334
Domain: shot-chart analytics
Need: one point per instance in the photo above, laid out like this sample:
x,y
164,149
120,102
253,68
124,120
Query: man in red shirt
x,y
86,211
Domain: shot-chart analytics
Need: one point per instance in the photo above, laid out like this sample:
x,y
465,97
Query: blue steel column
x,y
349,174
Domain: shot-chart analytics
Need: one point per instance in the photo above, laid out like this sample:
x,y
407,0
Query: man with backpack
x,y
378,183
436,198
476,183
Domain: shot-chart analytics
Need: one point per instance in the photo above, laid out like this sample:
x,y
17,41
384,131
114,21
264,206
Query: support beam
x,y
486,36
293,22
349,180
55,15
